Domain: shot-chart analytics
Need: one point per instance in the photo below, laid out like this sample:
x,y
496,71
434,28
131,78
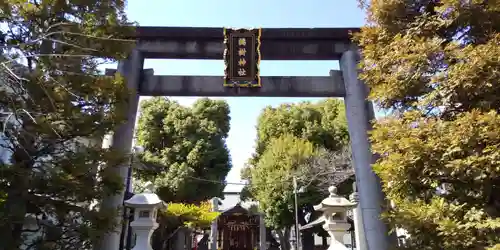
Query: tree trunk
x,y
15,206
284,237
307,240
159,238
188,238
307,237
17,192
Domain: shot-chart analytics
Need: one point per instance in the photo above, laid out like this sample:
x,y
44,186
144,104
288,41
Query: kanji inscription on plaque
x,y
242,57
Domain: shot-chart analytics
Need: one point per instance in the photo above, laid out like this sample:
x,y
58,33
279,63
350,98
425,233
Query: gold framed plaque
x,y
242,57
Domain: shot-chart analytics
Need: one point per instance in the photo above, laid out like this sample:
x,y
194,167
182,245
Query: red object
x,y
195,243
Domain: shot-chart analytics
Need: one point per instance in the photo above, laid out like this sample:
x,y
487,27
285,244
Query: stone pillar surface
x,y
337,241
143,233
336,232
131,69
180,241
262,232
371,198
359,233
213,228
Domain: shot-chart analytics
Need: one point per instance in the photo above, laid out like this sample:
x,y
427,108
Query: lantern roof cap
x,y
334,201
148,198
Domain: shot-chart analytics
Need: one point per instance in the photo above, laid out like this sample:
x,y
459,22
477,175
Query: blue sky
x,y
245,14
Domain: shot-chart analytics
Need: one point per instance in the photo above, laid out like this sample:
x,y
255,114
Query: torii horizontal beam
x,y
272,86
277,43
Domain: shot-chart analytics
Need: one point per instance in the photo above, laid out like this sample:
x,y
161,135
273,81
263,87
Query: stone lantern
x,y
334,210
146,207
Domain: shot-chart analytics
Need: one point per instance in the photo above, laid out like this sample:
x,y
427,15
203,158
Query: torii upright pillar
x,y
359,113
131,69
213,227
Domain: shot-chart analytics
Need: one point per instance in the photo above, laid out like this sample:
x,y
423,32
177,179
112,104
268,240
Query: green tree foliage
x,y
459,157
294,140
56,110
271,182
271,178
190,215
178,216
186,146
323,123
437,65
315,170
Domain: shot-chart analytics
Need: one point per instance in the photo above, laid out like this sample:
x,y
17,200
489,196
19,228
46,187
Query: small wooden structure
x,y
238,229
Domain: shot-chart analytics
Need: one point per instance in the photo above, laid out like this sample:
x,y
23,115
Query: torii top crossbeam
x,y
277,43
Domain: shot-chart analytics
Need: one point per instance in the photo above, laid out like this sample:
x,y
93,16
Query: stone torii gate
x,y
277,44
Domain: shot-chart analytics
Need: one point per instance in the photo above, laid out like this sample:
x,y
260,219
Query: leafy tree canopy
x,y
315,170
186,147
271,178
295,140
436,64
322,123
178,216
190,215
443,178
429,55
271,182
58,109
